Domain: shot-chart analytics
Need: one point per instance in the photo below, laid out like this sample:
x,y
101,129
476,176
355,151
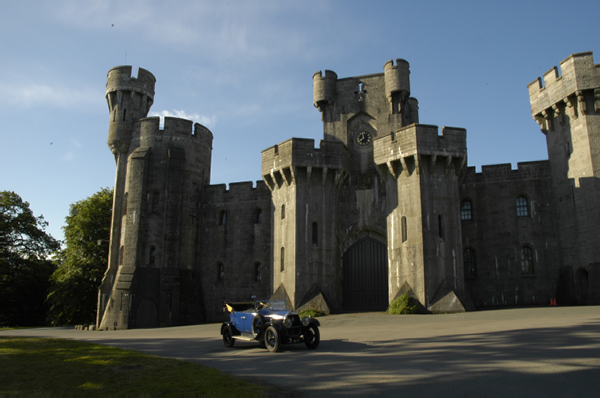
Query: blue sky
x,y
244,69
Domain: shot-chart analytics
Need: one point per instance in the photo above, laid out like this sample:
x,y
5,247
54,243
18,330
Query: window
x,y
220,271
470,268
222,217
282,266
152,256
121,255
282,212
522,207
315,234
155,199
466,210
441,226
527,260
258,216
257,276
125,205
404,230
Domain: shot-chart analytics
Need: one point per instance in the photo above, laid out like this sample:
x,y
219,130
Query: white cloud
x,y
206,121
26,93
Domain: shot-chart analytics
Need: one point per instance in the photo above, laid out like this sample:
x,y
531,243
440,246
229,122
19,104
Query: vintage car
x,y
269,323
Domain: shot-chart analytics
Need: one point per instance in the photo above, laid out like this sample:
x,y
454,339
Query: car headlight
x,y
306,321
287,322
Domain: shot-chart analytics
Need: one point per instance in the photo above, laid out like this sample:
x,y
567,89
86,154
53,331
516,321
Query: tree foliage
x,y
82,262
25,264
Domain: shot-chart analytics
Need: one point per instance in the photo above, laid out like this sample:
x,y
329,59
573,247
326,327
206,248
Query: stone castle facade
x,y
383,205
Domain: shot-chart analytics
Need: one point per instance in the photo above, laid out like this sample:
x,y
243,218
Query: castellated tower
x,y
338,210
422,171
566,105
153,277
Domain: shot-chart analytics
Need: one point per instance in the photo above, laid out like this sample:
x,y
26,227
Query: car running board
x,y
245,336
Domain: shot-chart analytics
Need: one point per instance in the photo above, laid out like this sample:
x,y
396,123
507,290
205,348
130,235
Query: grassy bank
x,y
42,367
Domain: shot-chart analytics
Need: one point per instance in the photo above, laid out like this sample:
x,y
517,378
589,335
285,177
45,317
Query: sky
x,y
244,70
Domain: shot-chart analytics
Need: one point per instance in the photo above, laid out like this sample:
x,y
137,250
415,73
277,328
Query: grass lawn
x,y
53,367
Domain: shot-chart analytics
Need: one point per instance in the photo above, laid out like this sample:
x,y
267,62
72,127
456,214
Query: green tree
x,y
81,264
25,264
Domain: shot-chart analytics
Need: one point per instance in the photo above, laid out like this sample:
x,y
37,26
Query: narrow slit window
x,y
404,230
315,234
441,231
282,265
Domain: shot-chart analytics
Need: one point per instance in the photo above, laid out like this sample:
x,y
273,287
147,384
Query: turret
x,y
397,84
129,99
324,88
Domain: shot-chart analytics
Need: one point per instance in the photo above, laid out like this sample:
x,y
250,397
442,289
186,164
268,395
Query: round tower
x,y
129,99
324,88
397,83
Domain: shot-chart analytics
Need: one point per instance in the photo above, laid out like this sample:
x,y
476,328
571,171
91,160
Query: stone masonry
x,y
381,206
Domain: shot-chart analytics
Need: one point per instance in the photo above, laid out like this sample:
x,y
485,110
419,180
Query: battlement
x,y
405,149
280,162
535,170
324,86
120,79
173,126
397,77
577,73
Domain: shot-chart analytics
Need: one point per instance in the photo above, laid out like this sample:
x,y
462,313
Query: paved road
x,y
552,351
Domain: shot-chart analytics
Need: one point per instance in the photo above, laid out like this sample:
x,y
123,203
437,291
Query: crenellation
x,y
381,206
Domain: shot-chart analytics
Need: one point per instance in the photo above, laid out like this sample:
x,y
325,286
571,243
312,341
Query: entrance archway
x,y
365,277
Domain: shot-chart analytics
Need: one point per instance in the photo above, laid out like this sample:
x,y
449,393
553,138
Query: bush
x,y
402,305
311,313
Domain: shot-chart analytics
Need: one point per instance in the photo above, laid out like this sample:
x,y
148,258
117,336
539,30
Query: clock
x,y
364,138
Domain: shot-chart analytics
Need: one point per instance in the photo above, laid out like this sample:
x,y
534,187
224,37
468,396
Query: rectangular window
x,y
441,226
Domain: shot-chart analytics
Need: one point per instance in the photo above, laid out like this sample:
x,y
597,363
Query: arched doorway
x,y
365,277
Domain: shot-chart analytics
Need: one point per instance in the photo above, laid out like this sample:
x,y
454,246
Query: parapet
x,y
120,79
405,150
528,171
172,126
324,87
397,78
281,162
577,73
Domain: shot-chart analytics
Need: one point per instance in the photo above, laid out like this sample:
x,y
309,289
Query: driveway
x,y
550,351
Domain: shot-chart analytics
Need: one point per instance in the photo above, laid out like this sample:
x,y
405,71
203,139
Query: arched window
x,y
222,217
152,256
470,266
155,199
522,207
282,265
282,212
315,234
527,260
466,210
220,271
257,276
258,216
404,230
125,205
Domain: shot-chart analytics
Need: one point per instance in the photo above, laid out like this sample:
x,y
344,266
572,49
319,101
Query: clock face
x,y
364,138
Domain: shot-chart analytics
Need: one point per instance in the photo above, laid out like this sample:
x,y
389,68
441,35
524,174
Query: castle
x,y
382,206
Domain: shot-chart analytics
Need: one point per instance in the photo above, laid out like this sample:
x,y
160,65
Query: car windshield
x,y
273,304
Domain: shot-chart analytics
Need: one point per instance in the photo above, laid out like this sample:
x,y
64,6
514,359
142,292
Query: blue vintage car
x,y
269,323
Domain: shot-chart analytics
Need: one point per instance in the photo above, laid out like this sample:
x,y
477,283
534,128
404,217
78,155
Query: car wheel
x,y
312,336
228,339
272,339
257,325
